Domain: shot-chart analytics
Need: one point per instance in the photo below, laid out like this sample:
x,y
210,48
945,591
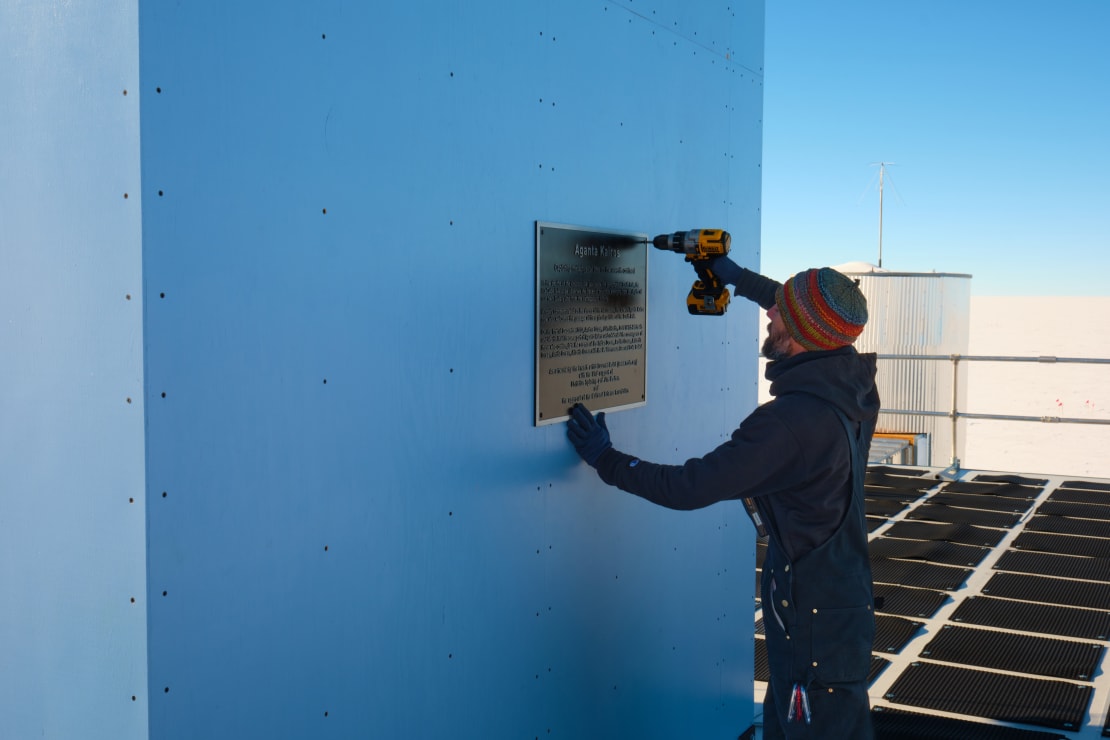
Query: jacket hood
x,y
843,377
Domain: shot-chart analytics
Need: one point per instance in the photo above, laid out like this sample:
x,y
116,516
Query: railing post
x,y
955,410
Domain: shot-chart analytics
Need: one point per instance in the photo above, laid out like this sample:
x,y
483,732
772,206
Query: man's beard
x,y
776,348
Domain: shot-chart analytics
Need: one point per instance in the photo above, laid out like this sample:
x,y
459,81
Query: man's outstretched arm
x,y
751,285
758,460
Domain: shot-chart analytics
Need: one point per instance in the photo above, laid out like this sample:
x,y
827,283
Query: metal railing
x,y
955,414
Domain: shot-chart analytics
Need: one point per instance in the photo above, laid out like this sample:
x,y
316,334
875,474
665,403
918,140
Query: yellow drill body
x,y
708,296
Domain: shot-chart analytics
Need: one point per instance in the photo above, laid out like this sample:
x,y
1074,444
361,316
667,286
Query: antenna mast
x,y
882,173
882,170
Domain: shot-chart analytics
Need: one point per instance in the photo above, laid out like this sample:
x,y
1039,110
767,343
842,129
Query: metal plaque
x,y
591,320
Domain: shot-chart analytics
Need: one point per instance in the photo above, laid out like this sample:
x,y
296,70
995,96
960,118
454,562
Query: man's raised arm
x,y
750,285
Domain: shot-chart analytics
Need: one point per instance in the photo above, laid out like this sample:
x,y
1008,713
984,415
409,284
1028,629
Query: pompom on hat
x,y
822,308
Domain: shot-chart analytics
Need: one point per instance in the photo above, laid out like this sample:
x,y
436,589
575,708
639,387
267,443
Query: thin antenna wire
x,y
894,185
866,190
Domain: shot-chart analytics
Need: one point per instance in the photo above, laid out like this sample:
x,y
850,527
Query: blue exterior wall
x,y
72,505
353,529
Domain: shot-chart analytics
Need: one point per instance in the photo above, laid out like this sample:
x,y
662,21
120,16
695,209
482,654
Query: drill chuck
x,y
696,244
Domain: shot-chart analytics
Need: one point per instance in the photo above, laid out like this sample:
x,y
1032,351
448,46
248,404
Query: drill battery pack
x,y
706,300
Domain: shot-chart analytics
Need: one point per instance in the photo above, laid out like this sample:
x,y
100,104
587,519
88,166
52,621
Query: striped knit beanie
x,y
822,308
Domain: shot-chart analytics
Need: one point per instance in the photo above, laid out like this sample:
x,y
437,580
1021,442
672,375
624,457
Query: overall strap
x,y
858,471
855,444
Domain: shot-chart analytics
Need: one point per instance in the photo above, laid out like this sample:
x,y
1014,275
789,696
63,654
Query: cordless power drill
x,y
709,296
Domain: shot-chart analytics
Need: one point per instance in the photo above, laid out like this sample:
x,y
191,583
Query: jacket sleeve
x,y
756,288
759,459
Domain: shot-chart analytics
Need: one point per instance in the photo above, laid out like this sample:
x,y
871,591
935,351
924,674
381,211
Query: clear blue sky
x,y
996,115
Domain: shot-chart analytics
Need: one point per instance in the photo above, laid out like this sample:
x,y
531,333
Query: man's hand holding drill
x,y
728,271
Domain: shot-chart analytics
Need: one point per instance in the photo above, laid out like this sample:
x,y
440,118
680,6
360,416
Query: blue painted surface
x,y
353,529
72,509
356,528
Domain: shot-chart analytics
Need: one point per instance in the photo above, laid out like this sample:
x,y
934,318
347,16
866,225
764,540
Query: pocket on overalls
x,y
842,641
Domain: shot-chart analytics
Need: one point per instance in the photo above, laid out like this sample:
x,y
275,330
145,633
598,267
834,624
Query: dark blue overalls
x,y
819,620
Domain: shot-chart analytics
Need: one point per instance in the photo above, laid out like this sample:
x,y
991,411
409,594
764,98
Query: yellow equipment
x,y
708,296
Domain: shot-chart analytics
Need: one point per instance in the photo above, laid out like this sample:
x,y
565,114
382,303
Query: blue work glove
x,y
728,271
589,436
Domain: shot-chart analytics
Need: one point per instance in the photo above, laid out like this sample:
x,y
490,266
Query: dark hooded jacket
x,y
791,454
794,457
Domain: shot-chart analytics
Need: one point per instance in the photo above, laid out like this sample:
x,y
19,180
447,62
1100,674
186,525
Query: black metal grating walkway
x,y
979,501
1049,619
878,665
1068,525
883,508
892,633
1011,478
1061,705
998,490
918,575
943,553
762,667
1006,651
1048,564
1086,485
1075,509
956,514
1080,496
1048,590
1063,544
896,724
960,533
899,477
908,602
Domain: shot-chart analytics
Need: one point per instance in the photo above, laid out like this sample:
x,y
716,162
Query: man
x,y
801,459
